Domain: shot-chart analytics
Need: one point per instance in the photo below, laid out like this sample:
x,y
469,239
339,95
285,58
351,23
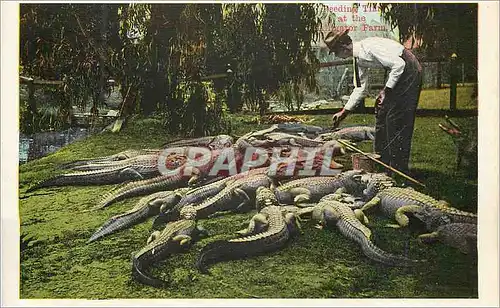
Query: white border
x,y
488,200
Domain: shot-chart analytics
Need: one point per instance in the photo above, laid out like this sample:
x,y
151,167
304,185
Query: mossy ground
x,y
318,264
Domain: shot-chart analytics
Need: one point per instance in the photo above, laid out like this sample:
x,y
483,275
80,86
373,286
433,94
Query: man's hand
x,y
379,101
338,117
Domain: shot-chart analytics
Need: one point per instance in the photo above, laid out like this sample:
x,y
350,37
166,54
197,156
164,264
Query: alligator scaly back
x,y
176,237
275,237
140,188
330,211
146,207
105,159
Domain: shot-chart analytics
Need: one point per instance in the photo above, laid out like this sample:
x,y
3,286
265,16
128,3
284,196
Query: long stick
x,y
351,147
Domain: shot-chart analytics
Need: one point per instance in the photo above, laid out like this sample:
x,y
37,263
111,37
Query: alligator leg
x,y
361,216
257,224
246,200
195,177
201,232
130,174
301,195
401,217
153,236
293,224
428,237
183,239
373,202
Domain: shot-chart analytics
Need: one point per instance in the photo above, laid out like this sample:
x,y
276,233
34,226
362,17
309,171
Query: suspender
x,y
357,82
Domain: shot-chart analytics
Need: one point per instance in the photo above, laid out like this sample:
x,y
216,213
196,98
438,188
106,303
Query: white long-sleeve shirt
x,y
376,52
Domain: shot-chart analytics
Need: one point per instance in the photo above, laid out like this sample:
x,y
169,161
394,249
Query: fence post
x,y
439,75
453,82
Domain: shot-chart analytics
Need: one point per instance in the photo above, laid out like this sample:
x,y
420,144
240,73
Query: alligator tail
x,y
375,253
370,250
54,181
139,272
219,251
140,188
120,222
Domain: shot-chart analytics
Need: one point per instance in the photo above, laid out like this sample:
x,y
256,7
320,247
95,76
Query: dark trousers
x,y
396,118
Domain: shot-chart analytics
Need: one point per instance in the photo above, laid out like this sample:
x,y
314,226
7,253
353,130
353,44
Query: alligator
x,y
352,133
311,189
462,236
396,201
466,145
330,211
106,159
212,142
176,237
281,139
279,229
266,197
144,187
146,207
172,161
200,194
138,171
234,197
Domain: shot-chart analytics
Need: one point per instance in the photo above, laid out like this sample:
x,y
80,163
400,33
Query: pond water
x,y
43,143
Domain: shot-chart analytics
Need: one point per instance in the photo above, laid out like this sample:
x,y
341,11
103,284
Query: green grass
x,y
440,99
318,264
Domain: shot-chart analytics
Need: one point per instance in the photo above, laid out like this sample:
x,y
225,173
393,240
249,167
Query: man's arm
x,y
358,93
391,61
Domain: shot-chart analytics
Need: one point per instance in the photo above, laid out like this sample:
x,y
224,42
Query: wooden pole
x,y
351,147
453,82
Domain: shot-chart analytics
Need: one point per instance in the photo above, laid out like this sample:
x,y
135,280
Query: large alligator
x,y
311,189
146,207
144,187
162,182
176,237
111,158
397,201
283,139
140,170
212,142
266,197
279,229
462,236
201,194
330,211
352,133
235,196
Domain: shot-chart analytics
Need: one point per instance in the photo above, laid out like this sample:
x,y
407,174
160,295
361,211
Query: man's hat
x,y
333,37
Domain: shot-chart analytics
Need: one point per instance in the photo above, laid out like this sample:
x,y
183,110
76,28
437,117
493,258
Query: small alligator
x,y
332,212
278,231
234,197
146,207
176,237
466,145
311,189
352,133
462,236
396,202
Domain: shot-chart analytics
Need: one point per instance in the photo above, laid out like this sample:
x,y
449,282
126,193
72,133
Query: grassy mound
x,y
58,263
